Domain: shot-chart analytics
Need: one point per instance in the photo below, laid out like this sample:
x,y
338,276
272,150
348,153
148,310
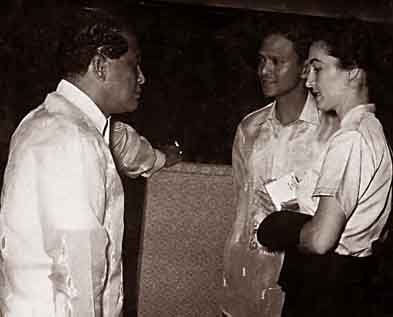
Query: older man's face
x,y
125,79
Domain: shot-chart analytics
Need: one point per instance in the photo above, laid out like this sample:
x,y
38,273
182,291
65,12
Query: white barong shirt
x,y
265,149
62,205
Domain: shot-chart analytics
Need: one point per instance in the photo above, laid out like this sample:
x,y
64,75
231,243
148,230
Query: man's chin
x,y
132,106
269,92
323,106
269,89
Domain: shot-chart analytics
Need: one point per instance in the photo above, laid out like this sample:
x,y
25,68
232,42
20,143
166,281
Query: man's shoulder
x,y
47,129
121,127
257,117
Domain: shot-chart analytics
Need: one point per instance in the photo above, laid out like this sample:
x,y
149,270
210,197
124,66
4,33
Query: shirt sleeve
x,y
240,182
133,154
70,185
238,161
341,171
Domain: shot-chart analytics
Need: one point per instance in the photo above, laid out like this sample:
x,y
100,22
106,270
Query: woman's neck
x,y
352,101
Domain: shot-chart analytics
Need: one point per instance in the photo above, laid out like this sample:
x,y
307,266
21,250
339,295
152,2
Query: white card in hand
x,y
282,190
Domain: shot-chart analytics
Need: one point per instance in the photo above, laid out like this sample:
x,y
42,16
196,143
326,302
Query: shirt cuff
x,y
158,164
324,191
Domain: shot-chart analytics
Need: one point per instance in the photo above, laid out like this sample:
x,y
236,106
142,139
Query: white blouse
x,y
357,171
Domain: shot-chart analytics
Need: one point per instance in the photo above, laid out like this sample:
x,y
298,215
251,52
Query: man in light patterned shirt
x,y
283,138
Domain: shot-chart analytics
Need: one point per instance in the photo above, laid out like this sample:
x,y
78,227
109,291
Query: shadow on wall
x,y
134,196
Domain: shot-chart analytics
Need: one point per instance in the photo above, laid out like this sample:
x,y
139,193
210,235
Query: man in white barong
x,y
62,204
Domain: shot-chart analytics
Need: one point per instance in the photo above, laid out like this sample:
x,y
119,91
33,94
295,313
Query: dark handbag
x,y
280,230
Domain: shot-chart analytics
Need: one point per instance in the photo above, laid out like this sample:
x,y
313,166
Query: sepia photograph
x,y
196,158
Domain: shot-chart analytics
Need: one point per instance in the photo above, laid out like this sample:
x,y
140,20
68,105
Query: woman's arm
x,y
322,233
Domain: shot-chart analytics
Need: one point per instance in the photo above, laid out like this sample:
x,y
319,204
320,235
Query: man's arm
x,y
135,156
70,195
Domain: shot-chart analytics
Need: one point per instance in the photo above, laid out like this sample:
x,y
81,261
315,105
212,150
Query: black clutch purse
x,y
280,230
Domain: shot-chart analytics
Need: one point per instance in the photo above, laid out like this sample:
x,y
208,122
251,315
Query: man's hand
x,y
263,200
173,154
291,205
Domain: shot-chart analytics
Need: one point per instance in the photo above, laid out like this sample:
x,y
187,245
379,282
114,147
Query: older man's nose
x,y
141,78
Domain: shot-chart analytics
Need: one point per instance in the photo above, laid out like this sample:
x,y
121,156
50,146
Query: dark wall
x,y
201,78
381,10
200,65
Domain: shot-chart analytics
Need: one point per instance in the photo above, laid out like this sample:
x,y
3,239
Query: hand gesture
x,y
291,205
173,153
263,200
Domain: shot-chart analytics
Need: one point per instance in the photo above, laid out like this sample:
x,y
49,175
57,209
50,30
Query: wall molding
x,y
372,11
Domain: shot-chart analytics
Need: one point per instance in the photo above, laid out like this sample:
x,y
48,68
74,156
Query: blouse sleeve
x,y
133,154
70,196
341,172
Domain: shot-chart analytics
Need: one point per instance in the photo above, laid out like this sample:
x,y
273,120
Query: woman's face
x,y
326,79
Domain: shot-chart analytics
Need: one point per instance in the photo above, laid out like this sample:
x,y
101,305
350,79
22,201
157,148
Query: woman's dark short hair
x,y
86,33
350,41
359,44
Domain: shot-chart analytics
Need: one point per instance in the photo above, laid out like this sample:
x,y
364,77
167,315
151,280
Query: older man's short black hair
x,y
86,33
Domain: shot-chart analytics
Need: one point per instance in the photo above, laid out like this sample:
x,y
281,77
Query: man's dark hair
x,y
86,33
296,30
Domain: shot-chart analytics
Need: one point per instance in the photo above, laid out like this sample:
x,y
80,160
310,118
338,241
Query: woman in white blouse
x,y
329,260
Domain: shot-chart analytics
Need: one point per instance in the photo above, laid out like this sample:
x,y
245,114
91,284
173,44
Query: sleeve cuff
x,y
158,164
324,191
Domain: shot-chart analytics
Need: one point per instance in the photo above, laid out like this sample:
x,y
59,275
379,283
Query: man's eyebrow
x,y
313,60
269,55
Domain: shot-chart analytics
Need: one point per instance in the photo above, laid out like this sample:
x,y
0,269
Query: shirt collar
x,y
86,105
355,112
310,112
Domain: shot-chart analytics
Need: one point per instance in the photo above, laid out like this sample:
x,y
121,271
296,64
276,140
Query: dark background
x,y
199,63
200,69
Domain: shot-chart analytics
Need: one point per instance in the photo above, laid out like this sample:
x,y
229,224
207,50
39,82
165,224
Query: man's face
x,y
124,79
279,68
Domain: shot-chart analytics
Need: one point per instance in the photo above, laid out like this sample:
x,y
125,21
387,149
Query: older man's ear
x,y
98,66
